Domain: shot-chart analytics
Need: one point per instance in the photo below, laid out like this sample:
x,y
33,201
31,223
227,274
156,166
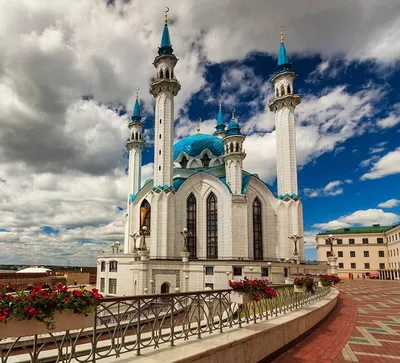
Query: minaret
x,y
135,145
234,155
220,128
164,88
290,220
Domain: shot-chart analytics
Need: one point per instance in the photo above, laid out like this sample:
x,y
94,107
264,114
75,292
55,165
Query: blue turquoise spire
x,y
136,117
283,60
166,47
220,119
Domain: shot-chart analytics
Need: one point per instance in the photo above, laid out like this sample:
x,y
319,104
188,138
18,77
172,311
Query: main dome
x,y
193,145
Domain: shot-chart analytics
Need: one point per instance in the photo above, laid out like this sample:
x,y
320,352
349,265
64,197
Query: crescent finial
x,y
166,15
233,114
282,30
198,125
137,92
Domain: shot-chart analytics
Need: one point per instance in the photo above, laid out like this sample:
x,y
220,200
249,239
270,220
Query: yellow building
x,y
371,250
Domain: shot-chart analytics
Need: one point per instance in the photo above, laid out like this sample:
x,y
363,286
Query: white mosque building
x,y
202,219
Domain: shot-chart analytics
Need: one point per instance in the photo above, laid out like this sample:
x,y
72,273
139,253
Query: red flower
x,y
67,299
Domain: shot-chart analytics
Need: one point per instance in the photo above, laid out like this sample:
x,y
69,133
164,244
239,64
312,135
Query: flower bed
x,y
255,289
306,282
329,280
42,304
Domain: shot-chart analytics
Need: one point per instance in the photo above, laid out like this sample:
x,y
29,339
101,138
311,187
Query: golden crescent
x,y
199,119
167,9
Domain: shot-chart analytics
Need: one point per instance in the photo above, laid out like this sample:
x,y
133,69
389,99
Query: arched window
x,y
167,74
277,92
136,136
288,89
165,288
205,160
257,230
161,74
231,147
191,225
237,147
113,267
145,213
212,226
102,266
184,162
282,91
172,74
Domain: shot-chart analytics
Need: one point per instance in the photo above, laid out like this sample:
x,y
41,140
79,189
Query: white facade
x,y
235,223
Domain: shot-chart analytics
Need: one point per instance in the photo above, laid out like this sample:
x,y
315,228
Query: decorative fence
x,y
127,325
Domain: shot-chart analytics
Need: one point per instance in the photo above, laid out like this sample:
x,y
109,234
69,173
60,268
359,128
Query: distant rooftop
x,y
375,228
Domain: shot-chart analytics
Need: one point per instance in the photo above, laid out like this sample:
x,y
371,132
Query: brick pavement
x,y
364,327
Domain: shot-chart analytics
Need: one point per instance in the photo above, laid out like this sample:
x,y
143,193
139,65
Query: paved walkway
x,y
364,327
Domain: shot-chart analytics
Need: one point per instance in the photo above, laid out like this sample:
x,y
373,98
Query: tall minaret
x,y
164,88
290,220
220,128
234,156
135,145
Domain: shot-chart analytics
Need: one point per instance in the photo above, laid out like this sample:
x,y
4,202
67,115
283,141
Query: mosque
x,y
202,219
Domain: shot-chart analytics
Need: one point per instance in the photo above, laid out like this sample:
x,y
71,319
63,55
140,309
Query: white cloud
x,y
387,165
361,217
331,189
391,203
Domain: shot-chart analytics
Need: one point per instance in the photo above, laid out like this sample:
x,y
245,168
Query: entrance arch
x,y
165,288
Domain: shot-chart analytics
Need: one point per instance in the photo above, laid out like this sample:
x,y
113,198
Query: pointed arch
x,y
145,214
136,135
282,91
172,74
184,162
277,92
191,219
257,230
167,73
231,147
205,160
237,147
212,226
161,74
289,91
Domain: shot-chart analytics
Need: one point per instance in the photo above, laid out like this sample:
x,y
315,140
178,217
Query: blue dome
x,y
233,129
193,145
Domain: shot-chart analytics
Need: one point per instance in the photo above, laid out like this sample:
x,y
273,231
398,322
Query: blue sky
x,y
69,70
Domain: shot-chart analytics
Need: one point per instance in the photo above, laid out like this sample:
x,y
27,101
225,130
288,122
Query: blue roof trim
x,y
132,197
245,183
291,196
163,187
194,145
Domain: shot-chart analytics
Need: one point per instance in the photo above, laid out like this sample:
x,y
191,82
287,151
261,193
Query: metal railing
x,y
127,325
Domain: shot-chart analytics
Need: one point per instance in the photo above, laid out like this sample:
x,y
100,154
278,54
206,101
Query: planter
x,y
239,298
65,321
289,281
299,288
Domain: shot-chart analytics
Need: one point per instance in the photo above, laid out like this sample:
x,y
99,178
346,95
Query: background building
x,y
373,249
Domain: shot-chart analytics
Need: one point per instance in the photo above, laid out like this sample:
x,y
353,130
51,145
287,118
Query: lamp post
x,y
115,247
295,238
134,237
145,233
329,241
185,234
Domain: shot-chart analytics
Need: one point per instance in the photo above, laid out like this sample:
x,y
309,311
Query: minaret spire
x,y
220,128
165,47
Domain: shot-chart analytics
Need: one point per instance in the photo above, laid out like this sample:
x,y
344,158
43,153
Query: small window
x,y
341,265
285,272
237,271
366,253
184,162
381,266
103,266
351,241
102,284
264,271
353,265
205,160
211,286
352,253
365,241
366,266
397,251
340,253
381,253
112,286
160,121
159,136
339,241
209,270
159,168
159,152
288,89
380,240
113,266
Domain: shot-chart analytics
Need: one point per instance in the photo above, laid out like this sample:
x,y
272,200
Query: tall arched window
x,y
145,213
161,74
212,226
288,89
167,73
191,225
282,91
257,230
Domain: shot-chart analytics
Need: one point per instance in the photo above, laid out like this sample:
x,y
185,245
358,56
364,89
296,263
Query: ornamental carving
x,y
155,272
286,101
165,85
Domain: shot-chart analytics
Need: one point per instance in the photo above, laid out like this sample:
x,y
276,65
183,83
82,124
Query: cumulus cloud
x,y
331,189
387,165
361,217
391,203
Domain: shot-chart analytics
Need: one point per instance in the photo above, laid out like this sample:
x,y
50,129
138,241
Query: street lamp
x,y
185,234
115,247
329,241
144,234
295,238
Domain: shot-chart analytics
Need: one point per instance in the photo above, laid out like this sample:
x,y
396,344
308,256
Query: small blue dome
x,y
193,145
282,56
233,129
